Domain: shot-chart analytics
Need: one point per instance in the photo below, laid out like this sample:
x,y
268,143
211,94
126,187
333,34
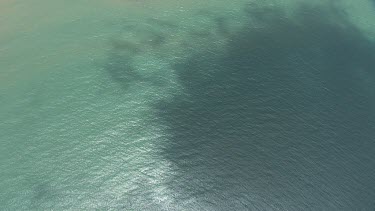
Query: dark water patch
x,y
213,24
142,41
163,23
157,39
279,119
43,195
125,45
41,191
121,69
121,65
223,26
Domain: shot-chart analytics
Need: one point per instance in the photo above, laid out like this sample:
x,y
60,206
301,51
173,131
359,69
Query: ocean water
x,y
187,105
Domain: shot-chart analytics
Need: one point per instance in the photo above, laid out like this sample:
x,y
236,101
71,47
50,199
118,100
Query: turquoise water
x,y
168,105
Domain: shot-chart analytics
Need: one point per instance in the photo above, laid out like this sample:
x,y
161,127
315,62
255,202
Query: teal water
x,y
168,105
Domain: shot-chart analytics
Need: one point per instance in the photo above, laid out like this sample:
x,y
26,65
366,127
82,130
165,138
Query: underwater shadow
x,y
283,117
143,39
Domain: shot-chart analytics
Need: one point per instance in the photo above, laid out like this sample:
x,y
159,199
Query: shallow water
x,y
170,105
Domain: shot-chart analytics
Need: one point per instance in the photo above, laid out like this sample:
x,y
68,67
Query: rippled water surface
x,y
187,105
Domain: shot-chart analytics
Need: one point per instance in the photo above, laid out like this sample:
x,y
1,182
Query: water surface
x,y
170,105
